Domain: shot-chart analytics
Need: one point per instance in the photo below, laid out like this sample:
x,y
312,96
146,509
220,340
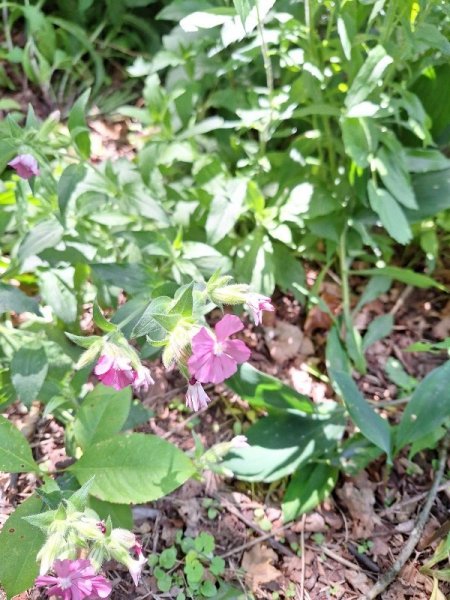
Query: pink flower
x,y
256,303
196,397
135,567
75,580
142,379
239,441
115,371
214,356
25,166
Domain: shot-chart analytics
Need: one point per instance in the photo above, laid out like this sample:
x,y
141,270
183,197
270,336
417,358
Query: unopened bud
x,y
236,293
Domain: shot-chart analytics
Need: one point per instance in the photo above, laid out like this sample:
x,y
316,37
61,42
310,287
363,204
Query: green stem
x,y
269,79
346,303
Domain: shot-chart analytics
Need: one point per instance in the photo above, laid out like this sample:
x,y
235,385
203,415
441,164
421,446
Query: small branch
x,y
334,556
302,548
413,500
386,579
401,300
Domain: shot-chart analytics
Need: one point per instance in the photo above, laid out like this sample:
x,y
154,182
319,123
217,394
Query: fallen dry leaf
x,y
284,341
358,580
358,497
257,564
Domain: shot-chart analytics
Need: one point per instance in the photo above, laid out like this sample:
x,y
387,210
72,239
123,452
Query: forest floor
x,y
339,549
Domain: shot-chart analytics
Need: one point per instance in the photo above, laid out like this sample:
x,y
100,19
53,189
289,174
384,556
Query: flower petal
x,y
237,350
228,325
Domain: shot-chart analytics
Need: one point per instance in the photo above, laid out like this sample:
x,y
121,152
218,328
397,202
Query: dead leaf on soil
x,y
258,567
284,341
358,497
358,580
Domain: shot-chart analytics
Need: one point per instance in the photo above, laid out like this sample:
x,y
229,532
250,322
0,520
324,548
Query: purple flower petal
x,y
25,165
237,350
228,325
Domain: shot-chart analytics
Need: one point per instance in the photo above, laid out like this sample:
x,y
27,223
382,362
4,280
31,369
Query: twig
x,y
386,579
261,538
334,556
413,499
401,300
263,535
302,548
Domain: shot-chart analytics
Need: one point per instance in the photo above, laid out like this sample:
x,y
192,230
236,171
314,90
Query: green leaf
x,y
15,452
397,374
70,178
429,441
376,286
155,321
20,542
100,320
243,8
309,486
29,368
14,300
120,514
226,207
359,139
103,413
391,215
374,427
282,443
255,265
428,408
424,160
405,276
59,295
336,357
378,329
133,468
289,272
394,177
183,302
84,342
432,191
369,76
46,234
267,392
78,128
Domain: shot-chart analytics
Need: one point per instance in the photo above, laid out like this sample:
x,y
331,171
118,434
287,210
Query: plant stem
x,y
6,28
346,303
269,78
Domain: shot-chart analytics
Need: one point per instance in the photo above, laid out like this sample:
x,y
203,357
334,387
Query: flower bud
x,y
54,546
235,293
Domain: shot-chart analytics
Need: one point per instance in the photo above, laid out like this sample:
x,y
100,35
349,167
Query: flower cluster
x,y
202,354
71,533
115,370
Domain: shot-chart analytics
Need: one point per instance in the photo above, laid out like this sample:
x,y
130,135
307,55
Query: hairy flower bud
x,y
234,293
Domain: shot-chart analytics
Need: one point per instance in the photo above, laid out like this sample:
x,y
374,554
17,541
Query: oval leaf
x,y
133,468
308,487
103,413
372,426
427,409
15,453
29,368
20,542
